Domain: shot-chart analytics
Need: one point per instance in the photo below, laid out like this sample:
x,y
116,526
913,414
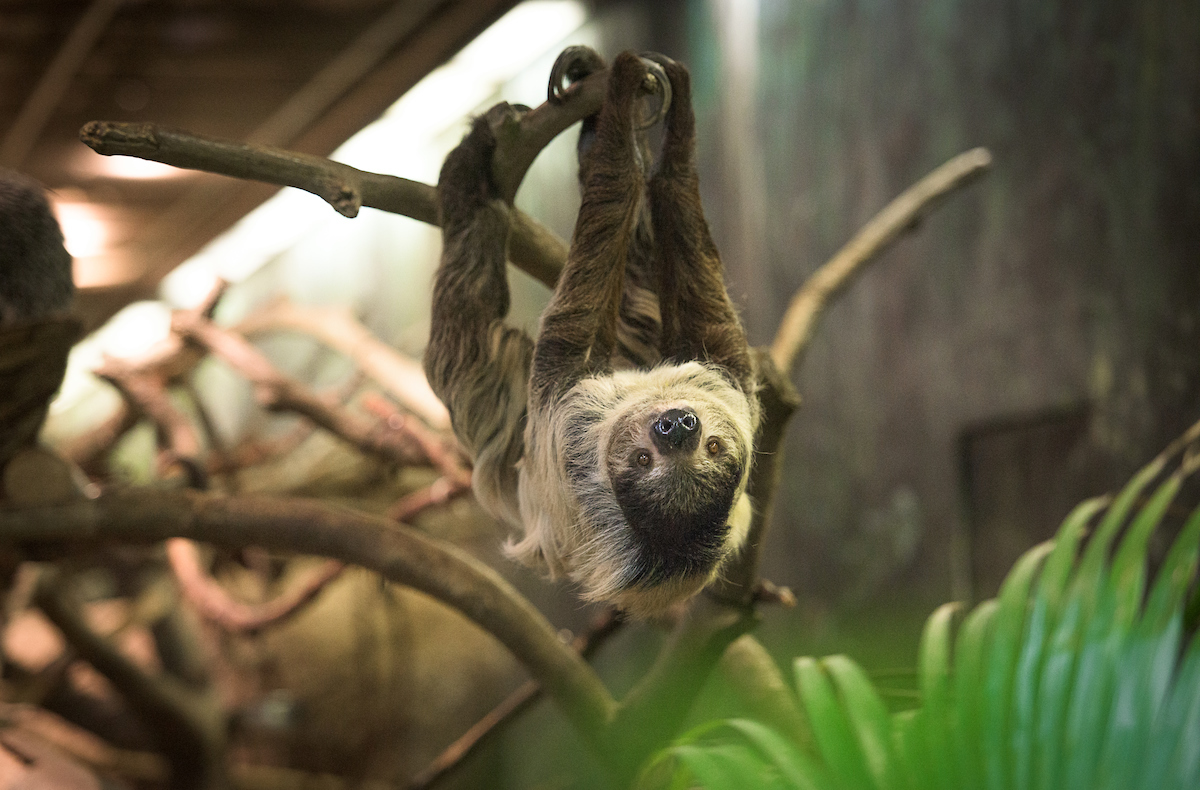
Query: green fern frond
x,y
1076,677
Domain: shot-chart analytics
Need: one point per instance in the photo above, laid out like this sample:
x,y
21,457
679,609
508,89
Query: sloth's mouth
x,y
678,524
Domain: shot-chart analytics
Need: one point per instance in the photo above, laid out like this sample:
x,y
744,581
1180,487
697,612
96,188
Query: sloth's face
x,y
676,469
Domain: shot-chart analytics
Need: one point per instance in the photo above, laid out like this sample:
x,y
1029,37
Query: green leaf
x,y
1176,574
1053,581
831,729
868,717
1068,657
1128,575
1091,567
796,768
1182,725
908,744
933,729
1119,594
969,654
1031,663
1143,677
1001,665
725,766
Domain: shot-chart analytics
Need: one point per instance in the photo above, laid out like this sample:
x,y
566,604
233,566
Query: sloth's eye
x,y
714,446
643,458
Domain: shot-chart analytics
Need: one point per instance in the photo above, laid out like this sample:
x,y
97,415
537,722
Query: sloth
x,y
618,444
35,268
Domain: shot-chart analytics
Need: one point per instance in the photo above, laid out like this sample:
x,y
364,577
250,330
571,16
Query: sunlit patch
x,y
410,139
85,231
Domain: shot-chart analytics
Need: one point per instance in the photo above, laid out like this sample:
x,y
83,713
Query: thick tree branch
x,y
827,283
309,527
519,141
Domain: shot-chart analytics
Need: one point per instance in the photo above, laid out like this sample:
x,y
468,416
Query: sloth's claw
x,y
573,64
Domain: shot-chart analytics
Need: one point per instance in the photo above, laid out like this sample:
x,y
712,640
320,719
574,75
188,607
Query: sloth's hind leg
x,y
476,364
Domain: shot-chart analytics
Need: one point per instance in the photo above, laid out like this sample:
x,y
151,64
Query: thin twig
x,y
800,320
214,603
400,375
278,392
598,632
439,492
441,451
89,450
147,394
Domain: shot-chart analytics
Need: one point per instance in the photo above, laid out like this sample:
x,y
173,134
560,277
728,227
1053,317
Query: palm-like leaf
x,y
1074,677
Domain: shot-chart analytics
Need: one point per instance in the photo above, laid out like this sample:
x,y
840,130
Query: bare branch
x,y
187,722
442,451
526,694
338,185
85,746
278,392
439,492
214,603
147,393
520,141
533,248
88,450
799,321
310,527
401,376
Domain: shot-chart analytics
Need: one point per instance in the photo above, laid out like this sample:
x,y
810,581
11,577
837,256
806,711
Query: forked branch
x,y
902,214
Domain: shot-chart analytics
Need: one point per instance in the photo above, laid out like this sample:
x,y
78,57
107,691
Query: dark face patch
x,y
679,520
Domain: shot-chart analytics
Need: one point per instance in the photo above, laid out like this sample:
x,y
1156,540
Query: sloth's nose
x,y
676,429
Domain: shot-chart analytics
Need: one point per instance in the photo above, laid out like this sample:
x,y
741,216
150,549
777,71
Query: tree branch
x,y
533,248
309,527
519,700
400,375
187,722
278,392
902,214
213,602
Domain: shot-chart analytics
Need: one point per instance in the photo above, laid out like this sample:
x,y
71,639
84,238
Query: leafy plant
x,y
1076,676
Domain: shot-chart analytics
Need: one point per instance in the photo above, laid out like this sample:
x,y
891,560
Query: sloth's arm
x,y
476,364
698,319
579,326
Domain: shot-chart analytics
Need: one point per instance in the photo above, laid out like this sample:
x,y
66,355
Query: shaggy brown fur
x,y
35,269
620,443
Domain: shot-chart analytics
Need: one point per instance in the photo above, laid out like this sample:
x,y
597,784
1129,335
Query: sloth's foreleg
x,y
698,319
476,364
579,327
